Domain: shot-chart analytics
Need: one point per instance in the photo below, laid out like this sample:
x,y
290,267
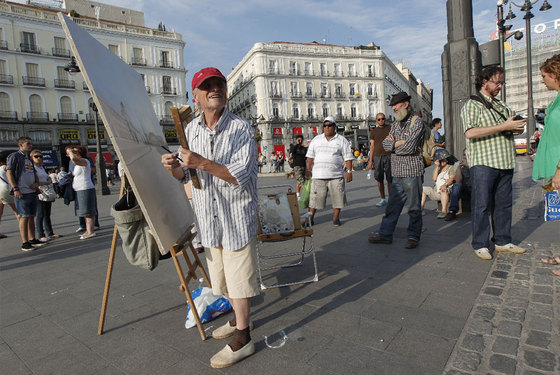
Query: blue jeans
x,y
404,189
43,219
491,196
455,196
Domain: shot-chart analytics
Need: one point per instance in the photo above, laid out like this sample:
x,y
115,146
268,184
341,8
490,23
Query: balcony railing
x,y
168,91
166,119
138,61
90,118
339,95
296,95
7,78
165,64
61,52
8,115
33,81
323,95
37,116
67,117
276,95
29,48
64,83
3,44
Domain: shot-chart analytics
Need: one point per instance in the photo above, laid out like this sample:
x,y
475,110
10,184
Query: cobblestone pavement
x,y
514,326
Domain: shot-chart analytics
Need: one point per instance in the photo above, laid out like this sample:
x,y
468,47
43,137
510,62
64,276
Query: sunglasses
x,y
327,125
37,156
382,118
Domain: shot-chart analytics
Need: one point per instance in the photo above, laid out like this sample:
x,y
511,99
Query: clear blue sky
x,y
220,32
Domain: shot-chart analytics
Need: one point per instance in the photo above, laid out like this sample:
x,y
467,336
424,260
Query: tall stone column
x,y
460,65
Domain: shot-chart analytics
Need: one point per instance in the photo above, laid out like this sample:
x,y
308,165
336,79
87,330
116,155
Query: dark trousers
x,y
43,219
491,205
403,190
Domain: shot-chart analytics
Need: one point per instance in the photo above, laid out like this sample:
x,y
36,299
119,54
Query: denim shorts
x,y
27,205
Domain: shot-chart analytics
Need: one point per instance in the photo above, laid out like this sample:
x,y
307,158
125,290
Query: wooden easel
x,y
179,248
182,117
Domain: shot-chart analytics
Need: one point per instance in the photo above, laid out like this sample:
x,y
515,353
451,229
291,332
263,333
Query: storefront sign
x,y
50,160
170,135
69,137
91,137
354,126
276,131
313,129
297,131
340,128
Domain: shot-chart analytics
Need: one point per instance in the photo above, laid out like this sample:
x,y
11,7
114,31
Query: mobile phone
x,y
519,117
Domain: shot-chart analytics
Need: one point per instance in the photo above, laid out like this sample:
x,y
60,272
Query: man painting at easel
x,y
223,150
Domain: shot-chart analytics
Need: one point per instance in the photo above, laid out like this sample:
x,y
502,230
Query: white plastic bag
x,y
207,305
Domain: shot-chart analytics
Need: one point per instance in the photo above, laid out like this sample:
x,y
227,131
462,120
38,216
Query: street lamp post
x,y
100,169
101,185
526,7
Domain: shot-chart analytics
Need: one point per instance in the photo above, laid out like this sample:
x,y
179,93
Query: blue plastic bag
x,y
207,305
551,206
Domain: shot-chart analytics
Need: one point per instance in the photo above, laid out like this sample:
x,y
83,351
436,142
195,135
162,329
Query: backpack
x,y
428,148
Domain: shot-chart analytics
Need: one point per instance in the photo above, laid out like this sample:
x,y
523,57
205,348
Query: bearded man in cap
x,y
407,167
223,151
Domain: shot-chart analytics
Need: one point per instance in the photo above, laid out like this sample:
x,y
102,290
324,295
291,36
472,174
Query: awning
x,y
106,156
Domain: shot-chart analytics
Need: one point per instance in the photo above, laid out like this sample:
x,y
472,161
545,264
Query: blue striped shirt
x,y
226,213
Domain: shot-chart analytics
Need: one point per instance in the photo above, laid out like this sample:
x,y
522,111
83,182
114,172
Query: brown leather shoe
x,y
411,244
378,239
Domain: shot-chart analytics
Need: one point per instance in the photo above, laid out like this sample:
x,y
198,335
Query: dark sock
x,y
233,322
240,339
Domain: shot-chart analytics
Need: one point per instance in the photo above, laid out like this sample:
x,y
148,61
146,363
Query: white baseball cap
x,y
329,119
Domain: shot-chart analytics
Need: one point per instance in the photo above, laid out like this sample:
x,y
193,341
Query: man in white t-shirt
x,y
327,157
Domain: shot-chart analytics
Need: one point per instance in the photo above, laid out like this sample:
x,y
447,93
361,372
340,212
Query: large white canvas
x,y
132,125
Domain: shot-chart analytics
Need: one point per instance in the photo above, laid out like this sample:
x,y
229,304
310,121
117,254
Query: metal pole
x,y
101,184
501,31
530,110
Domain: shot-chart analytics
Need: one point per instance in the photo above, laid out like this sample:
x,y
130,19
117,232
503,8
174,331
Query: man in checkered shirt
x,y
489,126
407,167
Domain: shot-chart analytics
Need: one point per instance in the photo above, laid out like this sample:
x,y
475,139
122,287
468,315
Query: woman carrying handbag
x,y
47,195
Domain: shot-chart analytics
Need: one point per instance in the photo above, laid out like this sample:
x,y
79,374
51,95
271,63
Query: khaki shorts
x,y
5,196
234,272
336,189
433,193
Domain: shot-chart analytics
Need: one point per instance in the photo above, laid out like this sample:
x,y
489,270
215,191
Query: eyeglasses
x,y
37,156
381,119
327,125
502,83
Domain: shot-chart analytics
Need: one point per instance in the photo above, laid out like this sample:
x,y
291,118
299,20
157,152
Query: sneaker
x,y
382,202
374,238
35,242
44,239
80,229
442,215
336,223
483,253
26,246
511,248
450,216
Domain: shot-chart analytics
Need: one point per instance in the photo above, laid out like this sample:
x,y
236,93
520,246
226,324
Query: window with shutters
x,y
353,111
325,110
65,105
28,44
32,70
115,49
310,111
275,111
295,111
308,89
60,47
5,103
339,110
308,69
138,56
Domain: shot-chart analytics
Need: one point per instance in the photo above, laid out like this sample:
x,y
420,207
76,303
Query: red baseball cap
x,y
203,74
